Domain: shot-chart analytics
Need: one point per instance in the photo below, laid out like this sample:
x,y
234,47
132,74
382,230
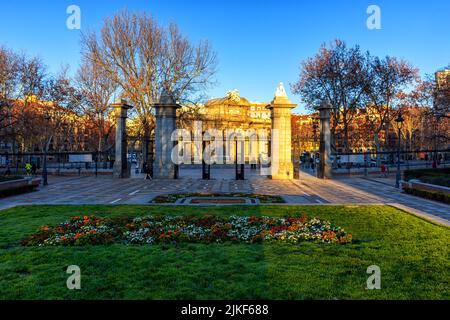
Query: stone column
x,y
325,165
166,115
281,146
121,169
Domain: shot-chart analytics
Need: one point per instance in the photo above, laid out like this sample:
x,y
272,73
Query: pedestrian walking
x,y
146,171
28,168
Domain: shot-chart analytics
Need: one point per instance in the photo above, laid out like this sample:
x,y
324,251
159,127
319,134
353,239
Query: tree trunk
x,y
377,148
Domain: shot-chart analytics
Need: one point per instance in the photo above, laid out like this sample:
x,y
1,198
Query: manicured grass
x,y
413,255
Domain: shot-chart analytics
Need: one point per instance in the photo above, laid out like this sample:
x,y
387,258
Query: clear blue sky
x,y
259,42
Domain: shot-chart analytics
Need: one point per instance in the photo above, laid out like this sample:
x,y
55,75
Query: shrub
x,y
432,176
427,194
15,191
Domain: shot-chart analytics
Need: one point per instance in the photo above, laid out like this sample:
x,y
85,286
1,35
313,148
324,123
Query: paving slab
x,y
308,190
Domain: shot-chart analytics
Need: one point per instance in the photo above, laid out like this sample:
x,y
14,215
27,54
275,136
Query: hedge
x,y
439,177
15,191
432,195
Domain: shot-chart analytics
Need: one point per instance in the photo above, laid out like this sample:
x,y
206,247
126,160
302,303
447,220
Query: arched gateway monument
x,y
281,153
281,165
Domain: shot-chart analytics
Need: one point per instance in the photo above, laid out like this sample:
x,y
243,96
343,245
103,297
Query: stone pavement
x,y
307,190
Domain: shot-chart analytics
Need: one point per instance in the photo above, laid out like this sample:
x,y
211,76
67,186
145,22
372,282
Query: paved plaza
x,y
308,190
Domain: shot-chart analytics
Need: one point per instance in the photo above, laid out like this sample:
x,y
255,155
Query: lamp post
x,y
399,121
315,128
46,146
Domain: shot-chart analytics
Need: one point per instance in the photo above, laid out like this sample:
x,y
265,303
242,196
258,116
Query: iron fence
x,y
57,163
386,162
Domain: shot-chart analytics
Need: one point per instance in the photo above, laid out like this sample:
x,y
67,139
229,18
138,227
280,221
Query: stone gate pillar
x,y
281,153
121,169
166,116
325,165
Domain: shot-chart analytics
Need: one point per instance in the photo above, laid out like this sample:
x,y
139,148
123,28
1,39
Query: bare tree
x,y
58,112
387,78
21,79
335,74
9,92
9,81
145,59
97,90
32,73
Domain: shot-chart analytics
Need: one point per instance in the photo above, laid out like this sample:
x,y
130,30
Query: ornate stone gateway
x,y
225,115
234,132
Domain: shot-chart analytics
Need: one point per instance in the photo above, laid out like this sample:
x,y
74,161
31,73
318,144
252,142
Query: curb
x,y
420,214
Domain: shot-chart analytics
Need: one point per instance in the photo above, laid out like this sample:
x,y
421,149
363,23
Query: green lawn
x,y
413,255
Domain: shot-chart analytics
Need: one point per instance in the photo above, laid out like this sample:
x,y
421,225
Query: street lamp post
x,y
399,121
315,127
44,165
44,170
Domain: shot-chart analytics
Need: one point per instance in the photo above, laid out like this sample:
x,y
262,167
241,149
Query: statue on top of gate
x,y
281,91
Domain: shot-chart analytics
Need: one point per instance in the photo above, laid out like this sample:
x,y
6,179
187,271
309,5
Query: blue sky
x,y
259,42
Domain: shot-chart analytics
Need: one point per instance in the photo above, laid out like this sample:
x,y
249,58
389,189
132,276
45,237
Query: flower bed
x,y
172,198
86,230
